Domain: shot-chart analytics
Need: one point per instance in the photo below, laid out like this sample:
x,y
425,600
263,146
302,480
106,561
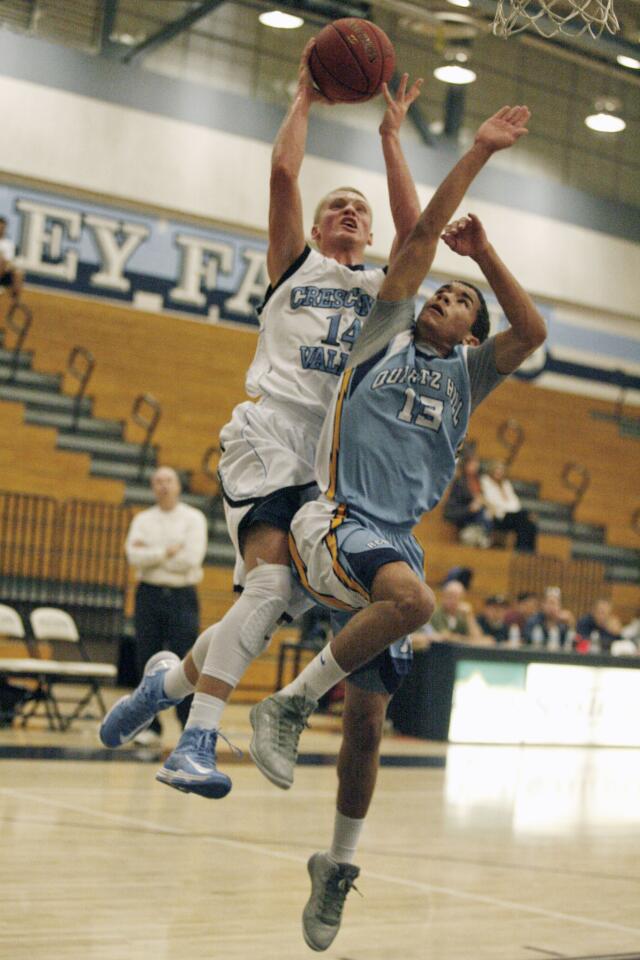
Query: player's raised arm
x,y
413,261
403,196
286,229
527,329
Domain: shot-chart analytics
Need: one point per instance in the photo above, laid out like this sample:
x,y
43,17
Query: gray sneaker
x,y
277,724
330,884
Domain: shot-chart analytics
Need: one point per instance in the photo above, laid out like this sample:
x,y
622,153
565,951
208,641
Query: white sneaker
x,y
277,724
330,884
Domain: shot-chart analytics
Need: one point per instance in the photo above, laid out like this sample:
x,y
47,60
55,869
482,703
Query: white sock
x,y
317,677
205,712
346,833
175,683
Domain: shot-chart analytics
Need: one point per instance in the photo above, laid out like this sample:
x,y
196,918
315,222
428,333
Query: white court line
x,y
268,793
277,855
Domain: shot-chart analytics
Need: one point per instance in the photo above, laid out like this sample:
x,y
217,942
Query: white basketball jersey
x,y
308,324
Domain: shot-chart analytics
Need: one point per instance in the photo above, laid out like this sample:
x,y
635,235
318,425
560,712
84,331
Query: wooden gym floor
x,y
469,853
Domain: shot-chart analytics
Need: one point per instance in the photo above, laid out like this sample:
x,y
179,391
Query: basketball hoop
x,y
549,17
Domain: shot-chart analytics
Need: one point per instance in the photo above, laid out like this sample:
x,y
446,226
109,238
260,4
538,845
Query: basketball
x,y
351,59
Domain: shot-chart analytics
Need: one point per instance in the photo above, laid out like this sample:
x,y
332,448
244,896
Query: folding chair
x,y
27,667
51,623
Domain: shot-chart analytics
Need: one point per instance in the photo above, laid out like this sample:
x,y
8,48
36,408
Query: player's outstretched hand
x,y
306,86
504,128
398,106
466,236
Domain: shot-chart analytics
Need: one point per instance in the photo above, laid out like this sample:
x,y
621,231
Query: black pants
x,y
526,530
166,618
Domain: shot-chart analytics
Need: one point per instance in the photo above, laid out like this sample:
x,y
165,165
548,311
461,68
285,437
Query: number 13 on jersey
x,y
421,410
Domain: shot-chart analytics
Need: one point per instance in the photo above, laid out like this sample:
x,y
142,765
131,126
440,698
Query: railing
x,y
148,424
21,329
27,530
581,582
618,410
577,478
208,469
80,365
68,553
624,382
511,435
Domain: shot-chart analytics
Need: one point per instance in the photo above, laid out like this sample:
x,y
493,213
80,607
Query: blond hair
x,y
318,210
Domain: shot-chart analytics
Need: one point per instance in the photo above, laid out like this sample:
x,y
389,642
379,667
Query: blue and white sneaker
x,y
192,765
135,711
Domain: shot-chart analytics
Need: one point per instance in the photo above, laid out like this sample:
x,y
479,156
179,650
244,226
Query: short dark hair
x,y
3,220
481,325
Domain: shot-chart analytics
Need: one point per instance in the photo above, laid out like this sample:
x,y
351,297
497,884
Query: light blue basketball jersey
x,y
400,415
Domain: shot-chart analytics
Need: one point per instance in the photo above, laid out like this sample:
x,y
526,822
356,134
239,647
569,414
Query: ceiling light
x,y
452,73
461,3
128,39
280,20
605,119
630,62
605,123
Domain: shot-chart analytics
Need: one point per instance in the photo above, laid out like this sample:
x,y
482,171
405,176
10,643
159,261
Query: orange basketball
x,y
351,59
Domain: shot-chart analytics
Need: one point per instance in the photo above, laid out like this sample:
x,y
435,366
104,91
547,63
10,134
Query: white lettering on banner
x,y
114,255
253,283
219,275
42,235
199,265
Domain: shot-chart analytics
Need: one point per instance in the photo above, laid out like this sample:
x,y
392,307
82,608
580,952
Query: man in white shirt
x,y
167,544
10,276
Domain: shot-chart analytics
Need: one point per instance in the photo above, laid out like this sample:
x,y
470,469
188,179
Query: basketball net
x,y
550,17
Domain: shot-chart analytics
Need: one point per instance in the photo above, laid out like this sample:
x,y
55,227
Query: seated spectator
x,y
463,574
492,619
632,630
526,606
453,618
466,508
596,631
10,276
504,507
629,643
551,628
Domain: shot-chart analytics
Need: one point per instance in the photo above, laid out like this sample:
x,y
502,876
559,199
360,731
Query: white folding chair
x,y
27,667
58,626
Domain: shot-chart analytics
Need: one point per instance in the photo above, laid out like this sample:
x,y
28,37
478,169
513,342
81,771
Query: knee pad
x,y
201,646
267,592
299,602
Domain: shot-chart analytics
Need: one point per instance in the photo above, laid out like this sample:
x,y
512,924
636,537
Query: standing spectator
x,y
10,276
551,628
167,545
596,631
466,507
504,507
453,618
526,606
492,619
